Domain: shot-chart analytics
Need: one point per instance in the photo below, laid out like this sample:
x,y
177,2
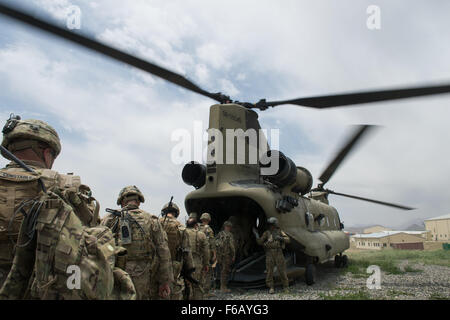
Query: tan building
x,y
439,228
376,229
390,239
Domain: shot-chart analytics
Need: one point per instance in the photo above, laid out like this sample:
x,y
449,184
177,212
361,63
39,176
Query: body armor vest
x,y
17,186
141,246
174,237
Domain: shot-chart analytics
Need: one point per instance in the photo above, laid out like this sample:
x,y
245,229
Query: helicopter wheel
x,y
310,274
344,260
338,261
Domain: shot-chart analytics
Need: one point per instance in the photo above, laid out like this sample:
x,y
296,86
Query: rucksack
x,y
72,261
173,236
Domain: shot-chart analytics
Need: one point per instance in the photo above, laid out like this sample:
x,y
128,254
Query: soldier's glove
x,y
72,196
279,238
80,206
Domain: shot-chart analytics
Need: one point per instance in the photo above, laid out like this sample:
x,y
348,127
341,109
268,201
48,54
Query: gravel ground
x,y
431,282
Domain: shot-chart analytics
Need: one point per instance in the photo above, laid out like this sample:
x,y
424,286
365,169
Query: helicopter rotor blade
x,y
108,51
347,99
343,153
398,206
320,102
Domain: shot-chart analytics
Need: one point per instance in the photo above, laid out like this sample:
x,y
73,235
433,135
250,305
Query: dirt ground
x,y
411,279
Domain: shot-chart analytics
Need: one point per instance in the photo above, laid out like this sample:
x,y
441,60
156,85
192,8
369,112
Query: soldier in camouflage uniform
x,y
92,204
208,231
180,251
226,254
140,233
55,234
201,256
193,215
274,241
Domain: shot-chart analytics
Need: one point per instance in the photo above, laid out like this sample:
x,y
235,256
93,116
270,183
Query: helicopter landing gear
x,y
337,261
310,274
344,261
340,261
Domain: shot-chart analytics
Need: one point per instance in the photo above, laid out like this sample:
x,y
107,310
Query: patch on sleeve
x,y
18,177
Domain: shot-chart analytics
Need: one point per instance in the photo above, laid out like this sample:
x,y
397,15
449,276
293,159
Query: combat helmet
x,y
193,215
23,134
128,191
205,216
170,207
228,223
273,221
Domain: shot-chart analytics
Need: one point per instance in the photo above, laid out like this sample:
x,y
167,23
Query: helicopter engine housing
x,y
286,173
194,174
303,181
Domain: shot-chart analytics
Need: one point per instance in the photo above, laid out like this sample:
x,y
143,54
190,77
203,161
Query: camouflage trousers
x,y
275,258
177,287
123,286
140,273
196,291
4,270
225,268
207,280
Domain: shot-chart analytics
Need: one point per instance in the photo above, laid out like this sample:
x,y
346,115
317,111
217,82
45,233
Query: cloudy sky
x,y
116,122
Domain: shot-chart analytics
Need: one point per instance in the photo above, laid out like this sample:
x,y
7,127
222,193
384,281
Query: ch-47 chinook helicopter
x,y
241,191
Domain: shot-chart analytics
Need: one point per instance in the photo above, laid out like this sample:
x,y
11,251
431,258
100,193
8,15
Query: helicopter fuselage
x,y
239,191
313,226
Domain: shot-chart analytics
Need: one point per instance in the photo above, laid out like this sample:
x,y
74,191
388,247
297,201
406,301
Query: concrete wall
x,y
385,242
433,245
439,229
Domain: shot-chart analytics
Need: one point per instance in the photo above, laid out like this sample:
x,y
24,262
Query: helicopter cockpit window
x,y
322,221
309,221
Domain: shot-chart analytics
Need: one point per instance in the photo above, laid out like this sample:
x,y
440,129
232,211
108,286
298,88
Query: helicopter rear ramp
x,y
250,273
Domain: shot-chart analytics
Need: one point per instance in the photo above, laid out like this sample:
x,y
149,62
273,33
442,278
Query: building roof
x,y
383,234
445,216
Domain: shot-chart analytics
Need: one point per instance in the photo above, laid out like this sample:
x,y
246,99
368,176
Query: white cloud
x,y
57,8
117,121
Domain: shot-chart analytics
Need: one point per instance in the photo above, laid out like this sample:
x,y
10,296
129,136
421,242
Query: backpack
x,y
174,237
72,261
16,188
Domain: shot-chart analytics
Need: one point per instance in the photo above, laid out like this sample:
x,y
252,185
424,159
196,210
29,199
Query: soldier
x,y
274,241
201,256
148,257
208,231
92,203
179,248
193,215
57,217
226,254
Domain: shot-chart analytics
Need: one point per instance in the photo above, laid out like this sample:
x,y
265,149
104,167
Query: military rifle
x,y
23,166
166,210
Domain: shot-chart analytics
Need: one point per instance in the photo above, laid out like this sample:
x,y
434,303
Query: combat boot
x,y
224,289
271,291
